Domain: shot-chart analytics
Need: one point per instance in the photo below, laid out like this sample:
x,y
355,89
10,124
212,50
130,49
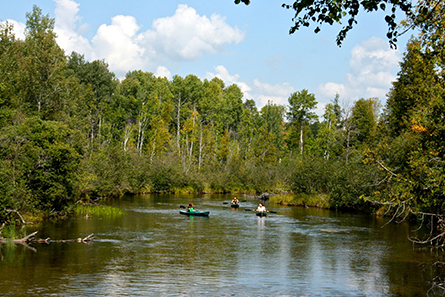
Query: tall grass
x,y
12,232
9,232
98,210
316,200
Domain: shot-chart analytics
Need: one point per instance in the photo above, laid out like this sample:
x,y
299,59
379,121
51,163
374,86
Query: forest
x,y
71,131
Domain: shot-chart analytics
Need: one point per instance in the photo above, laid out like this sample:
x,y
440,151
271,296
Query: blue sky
x,y
246,45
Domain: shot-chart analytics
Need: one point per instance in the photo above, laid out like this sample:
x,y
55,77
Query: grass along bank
x,y
318,200
98,210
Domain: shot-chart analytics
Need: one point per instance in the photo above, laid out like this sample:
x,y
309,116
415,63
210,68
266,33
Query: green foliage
x,y
416,84
322,12
349,186
70,129
365,119
37,24
163,179
271,115
318,200
345,185
44,153
110,167
41,82
412,152
10,232
301,104
428,19
98,210
313,176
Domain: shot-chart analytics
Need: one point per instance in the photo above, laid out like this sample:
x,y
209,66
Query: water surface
x,y
154,251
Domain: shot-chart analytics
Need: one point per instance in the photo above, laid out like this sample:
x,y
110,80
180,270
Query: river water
x,y
152,250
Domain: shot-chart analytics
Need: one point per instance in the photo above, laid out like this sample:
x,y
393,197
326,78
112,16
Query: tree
x,y
193,92
210,105
345,12
271,116
264,150
364,115
98,83
43,158
411,154
159,137
9,74
325,135
38,24
428,19
232,106
40,83
347,134
300,105
336,108
248,128
416,81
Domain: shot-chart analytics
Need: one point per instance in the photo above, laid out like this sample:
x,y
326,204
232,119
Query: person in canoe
x,y
261,208
235,200
190,208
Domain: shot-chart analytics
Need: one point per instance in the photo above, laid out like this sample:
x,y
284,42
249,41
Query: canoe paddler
x,y
190,207
261,208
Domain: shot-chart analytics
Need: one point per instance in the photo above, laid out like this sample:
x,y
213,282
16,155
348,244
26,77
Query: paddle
x,y
248,209
225,202
182,206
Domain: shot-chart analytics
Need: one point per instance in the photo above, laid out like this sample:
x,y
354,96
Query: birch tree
x,y
301,104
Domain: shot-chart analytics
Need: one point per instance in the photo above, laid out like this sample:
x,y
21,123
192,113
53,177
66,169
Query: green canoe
x,y
261,213
234,205
195,213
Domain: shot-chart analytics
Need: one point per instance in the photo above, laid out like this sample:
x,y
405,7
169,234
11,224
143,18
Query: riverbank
x,y
140,251
86,208
304,200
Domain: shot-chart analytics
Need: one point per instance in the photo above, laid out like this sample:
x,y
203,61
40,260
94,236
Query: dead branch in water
x,y
263,196
31,239
15,211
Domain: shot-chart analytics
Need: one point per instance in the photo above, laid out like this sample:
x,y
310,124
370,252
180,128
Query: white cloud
x,y
330,89
319,109
65,27
285,89
370,73
184,36
162,71
263,100
373,55
261,92
187,36
278,93
223,73
118,44
18,28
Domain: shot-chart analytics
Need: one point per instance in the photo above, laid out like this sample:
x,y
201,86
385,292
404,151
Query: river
x,y
152,250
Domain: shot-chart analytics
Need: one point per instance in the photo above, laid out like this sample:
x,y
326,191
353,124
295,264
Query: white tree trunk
x,y
177,121
301,138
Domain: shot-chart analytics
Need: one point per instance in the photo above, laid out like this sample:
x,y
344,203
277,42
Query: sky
x,y
245,45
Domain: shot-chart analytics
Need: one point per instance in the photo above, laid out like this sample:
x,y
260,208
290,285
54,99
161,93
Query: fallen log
x,y
262,197
28,238
31,239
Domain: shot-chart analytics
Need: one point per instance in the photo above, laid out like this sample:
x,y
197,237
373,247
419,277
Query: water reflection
x,y
153,250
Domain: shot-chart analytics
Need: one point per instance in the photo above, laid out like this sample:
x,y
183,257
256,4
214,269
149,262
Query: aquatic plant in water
x,y
98,210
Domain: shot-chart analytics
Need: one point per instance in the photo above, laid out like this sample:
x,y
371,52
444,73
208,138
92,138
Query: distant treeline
x,y
70,131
